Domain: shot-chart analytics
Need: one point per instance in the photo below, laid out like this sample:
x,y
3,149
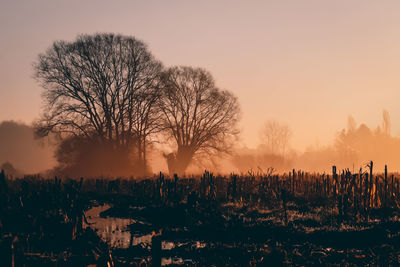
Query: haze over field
x,y
307,65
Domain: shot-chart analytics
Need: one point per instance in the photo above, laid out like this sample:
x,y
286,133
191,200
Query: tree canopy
x,y
102,87
198,116
107,94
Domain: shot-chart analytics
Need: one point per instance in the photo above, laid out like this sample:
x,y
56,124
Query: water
x,y
115,232
112,230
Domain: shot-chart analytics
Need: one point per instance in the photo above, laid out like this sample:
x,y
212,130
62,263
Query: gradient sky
x,y
309,64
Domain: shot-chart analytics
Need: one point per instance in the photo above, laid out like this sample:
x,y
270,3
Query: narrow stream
x,y
112,230
115,232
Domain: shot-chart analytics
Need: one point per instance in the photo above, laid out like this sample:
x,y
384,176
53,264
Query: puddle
x,y
115,232
112,230
174,260
168,245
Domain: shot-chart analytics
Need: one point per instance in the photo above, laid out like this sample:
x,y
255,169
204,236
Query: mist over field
x,y
199,133
354,147
302,68
20,148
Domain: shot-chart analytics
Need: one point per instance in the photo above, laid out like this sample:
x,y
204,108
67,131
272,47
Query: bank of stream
x,y
237,235
120,234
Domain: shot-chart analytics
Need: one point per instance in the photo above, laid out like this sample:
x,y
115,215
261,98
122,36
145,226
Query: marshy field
x,y
258,219
199,133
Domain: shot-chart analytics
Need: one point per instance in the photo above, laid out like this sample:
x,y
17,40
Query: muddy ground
x,y
235,234
268,221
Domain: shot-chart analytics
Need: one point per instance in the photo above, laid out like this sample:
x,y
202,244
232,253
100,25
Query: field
x,y
258,219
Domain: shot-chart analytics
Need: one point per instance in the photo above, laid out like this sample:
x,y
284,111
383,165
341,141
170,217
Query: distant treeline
x,y
21,152
352,148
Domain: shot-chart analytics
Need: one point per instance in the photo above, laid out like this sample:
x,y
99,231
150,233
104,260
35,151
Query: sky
x,y
308,64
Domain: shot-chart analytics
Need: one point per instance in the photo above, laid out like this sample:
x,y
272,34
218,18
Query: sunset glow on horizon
x,y
306,64
199,133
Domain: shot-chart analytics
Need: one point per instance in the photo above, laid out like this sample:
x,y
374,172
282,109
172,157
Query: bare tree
x,y
351,124
275,136
197,116
386,124
102,87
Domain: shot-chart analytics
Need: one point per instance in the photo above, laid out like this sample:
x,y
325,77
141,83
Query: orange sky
x,y
309,64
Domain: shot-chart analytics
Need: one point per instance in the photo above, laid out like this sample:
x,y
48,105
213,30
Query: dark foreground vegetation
x,y
299,219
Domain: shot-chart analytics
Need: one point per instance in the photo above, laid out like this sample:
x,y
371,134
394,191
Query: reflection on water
x,y
112,230
115,232
168,245
174,260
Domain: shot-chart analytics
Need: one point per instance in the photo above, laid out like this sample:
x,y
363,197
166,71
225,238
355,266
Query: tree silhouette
x,y
275,137
386,124
103,88
196,115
